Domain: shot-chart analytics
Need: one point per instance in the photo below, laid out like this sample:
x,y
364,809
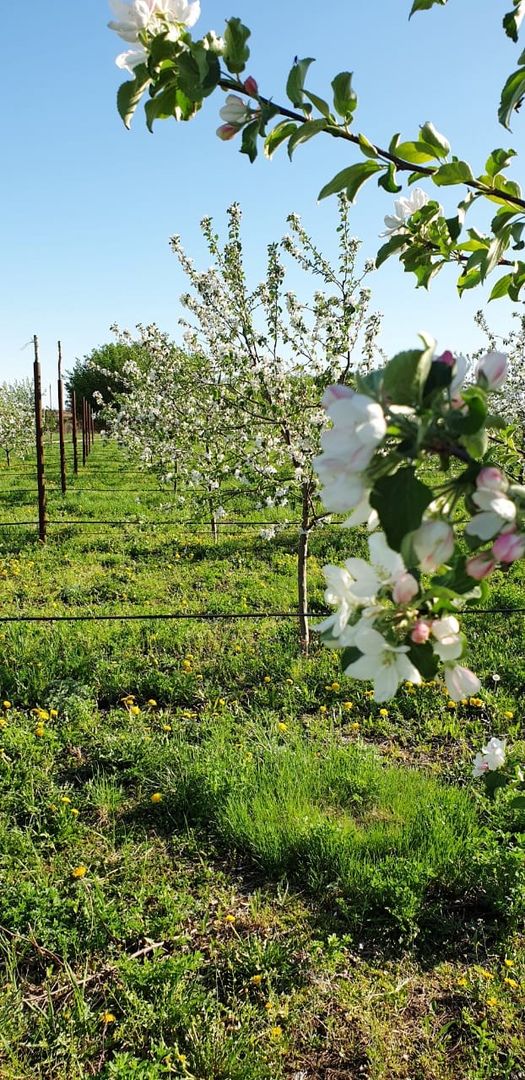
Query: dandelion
x,y
289,682
485,974
508,715
267,679
451,704
40,731
221,701
256,980
53,713
156,797
65,799
383,712
152,703
230,919
508,963
79,871
347,705
134,710
282,727
354,727
74,811
186,666
166,727
513,983
108,1018
322,709
276,1032
492,1002
7,704
462,982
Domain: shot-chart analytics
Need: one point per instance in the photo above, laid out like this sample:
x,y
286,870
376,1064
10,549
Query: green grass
x,y
318,875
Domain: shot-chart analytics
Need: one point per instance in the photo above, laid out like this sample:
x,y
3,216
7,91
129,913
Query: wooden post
x,y
92,414
74,430
39,434
61,438
84,444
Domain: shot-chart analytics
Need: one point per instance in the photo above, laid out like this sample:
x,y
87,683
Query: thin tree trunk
x,y
8,456
302,572
213,522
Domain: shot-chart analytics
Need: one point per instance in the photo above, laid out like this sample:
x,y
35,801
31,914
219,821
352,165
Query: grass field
x,y
221,861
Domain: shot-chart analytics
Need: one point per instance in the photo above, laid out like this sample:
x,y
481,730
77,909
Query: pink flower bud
x,y
480,566
227,132
492,370
251,87
405,588
336,393
491,478
457,402
509,547
446,358
420,632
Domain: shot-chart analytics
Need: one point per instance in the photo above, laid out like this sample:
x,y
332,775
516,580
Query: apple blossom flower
x,y
492,479
227,132
433,544
338,592
420,632
508,547
459,376
386,567
405,589
251,87
131,59
447,644
153,17
343,488
363,514
492,757
496,512
235,112
480,566
460,681
492,370
387,665
403,210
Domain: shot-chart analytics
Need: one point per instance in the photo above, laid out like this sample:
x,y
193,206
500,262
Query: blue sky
x,y
88,207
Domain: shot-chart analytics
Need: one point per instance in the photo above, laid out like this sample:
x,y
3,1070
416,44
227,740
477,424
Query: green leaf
x,y
424,5
350,179
496,249
468,280
400,501
494,780
388,180
349,656
416,153
295,83
431,137
250,135
170,102
501,288
455,172
390,248
130,93
366,147
518,803
405,375
236,52
304,132
424,658
345,98
511,96
498,160
278,135
198,72
513,19
470,423
319,103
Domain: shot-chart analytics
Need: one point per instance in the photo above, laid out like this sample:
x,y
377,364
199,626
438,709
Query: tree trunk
x,y
8,456
213,522
302,572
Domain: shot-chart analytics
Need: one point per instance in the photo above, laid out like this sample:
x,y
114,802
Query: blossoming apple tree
x,y
396,614
17,424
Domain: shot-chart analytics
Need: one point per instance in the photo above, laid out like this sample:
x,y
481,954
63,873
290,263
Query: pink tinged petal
x,y
480,766
461,682
447,358
508,547
227,132
484,525
420,632
480,566
335,393
490,477
405,589
492,370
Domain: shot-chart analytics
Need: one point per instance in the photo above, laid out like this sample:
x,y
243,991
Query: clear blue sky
x,y
88,207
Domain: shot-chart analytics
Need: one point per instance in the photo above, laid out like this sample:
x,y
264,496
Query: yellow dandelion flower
x,y
322,708
282,727
485,974
464,701
383,712
166,727
53,713
289,682
156,797
508,715
335,686
134,710
276,1032
267,679
108,1018
462,982
65,799
256,980
79,871
6,704
74,811
513,983
451,705
221,701
354,726
348,705
492,1001
152,703
40,731
230,919
508,963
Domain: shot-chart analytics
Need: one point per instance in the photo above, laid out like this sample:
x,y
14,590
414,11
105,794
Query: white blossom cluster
x,y
17,418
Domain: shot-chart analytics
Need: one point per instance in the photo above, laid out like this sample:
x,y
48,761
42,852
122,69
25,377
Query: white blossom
x,y
403,210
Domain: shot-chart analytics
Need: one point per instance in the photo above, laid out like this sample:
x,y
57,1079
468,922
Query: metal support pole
x,y
61,433
74,430
39,435
84,442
